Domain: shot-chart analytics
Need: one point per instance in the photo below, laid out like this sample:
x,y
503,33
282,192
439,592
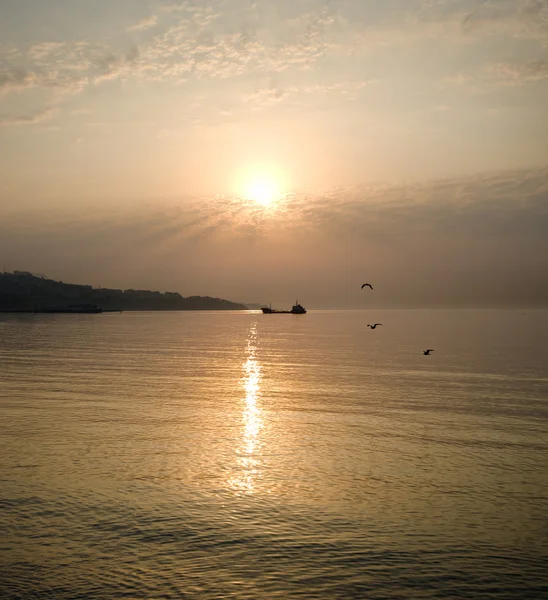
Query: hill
x,y
22,291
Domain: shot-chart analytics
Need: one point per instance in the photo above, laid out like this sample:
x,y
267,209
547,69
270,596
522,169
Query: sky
x,y
259,150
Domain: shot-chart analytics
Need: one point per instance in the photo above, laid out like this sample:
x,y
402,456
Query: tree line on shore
x,y
23,291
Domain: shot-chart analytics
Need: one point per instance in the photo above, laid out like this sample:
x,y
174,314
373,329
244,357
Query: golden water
x,y
241,455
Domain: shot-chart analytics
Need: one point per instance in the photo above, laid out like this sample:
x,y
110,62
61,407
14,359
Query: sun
x,y
263,185
262,191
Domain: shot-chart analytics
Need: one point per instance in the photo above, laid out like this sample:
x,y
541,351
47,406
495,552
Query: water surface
x,y
241,455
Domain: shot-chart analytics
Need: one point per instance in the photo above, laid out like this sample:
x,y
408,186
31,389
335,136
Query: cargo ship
x,y
297,309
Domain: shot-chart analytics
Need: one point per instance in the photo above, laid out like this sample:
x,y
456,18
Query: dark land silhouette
x,y
24,292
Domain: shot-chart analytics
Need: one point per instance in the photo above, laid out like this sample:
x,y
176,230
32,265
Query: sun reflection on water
x,y
248,462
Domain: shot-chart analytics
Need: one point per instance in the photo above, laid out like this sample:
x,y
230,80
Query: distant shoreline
x,y
24,292
129,310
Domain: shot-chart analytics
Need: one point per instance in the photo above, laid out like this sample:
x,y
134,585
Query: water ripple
x,y
192,455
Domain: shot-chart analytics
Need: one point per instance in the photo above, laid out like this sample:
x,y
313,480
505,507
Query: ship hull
x,y
271,311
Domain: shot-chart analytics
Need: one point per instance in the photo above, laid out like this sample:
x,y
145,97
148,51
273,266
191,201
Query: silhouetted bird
x,y
427,352
374,325
367,284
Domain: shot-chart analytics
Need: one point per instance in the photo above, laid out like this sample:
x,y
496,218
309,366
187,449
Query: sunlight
x,y
262,184
249,451
262,192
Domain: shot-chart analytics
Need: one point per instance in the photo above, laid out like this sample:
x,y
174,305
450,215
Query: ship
x,y
297,309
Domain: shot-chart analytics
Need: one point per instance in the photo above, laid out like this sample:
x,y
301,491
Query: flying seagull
x,y
374,325
427,352
366,284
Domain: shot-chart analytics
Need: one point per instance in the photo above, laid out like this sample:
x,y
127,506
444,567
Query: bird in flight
x,y
427,352
374,325
366,284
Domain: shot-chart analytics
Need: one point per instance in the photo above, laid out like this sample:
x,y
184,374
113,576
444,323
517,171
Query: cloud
x,y
110,67
497,203
490,78
520,73
485,11
262,98
200,14
45,49
145,23
448,21
521,18
16,79
192,48
204,41
28,119
189,47
453,240
54,67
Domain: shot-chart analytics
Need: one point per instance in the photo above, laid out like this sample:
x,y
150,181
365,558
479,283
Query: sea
x,y
159,455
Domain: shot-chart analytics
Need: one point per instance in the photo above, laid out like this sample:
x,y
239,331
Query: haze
x,y
261,150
